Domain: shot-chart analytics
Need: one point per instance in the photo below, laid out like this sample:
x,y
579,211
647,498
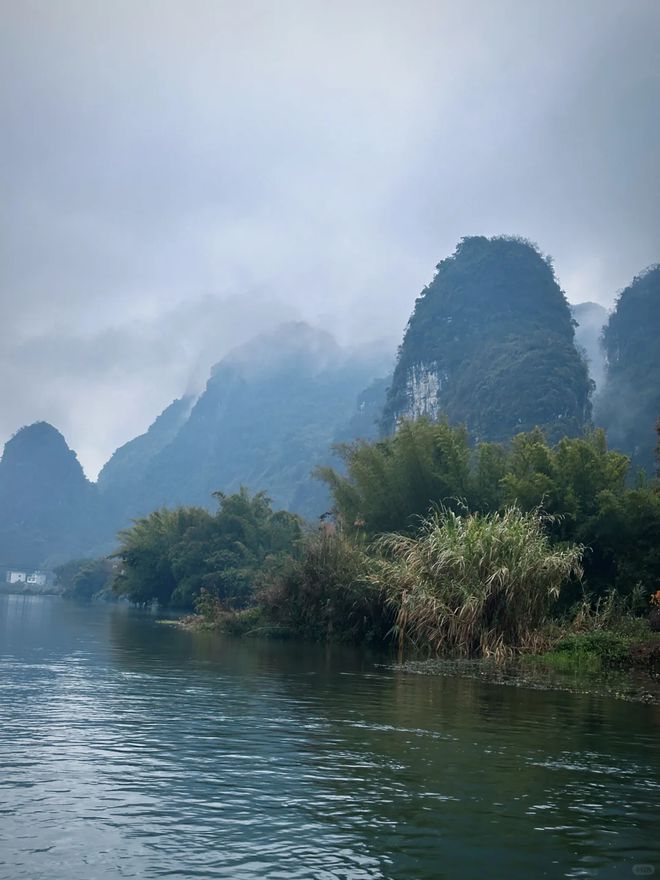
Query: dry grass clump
x,y
474,585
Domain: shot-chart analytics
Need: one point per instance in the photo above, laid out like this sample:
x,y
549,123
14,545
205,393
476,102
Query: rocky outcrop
x,y
491,344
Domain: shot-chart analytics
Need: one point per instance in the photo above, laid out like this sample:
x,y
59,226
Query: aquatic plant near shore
x,y
474,585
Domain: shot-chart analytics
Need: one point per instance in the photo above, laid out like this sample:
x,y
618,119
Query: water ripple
x,y
133,750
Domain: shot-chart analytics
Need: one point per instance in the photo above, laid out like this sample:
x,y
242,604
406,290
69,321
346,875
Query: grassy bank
x,y
604,651
463,587
433,545
631,645
627,642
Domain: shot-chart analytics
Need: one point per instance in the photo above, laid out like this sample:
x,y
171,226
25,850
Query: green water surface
x,y
132,749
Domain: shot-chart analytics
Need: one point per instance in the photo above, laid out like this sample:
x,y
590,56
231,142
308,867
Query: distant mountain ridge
x,y
266,419
127,463
268,416
48,510
491,343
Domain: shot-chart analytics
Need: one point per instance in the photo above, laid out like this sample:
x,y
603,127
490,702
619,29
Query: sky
x,y
178,175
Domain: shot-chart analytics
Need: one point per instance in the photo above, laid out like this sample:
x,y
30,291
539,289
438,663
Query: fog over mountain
x,y
628,405
178,177
268,416
491,344
591,318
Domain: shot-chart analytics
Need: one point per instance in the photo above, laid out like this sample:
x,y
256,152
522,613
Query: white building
x,y
34,578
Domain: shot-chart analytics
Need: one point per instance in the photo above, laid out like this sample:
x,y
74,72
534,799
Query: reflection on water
x,y
132,749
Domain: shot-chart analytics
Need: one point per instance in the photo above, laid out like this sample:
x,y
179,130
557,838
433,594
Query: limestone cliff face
x,y
490,344
423,391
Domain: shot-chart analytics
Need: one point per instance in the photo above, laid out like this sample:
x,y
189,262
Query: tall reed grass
x,y
473,585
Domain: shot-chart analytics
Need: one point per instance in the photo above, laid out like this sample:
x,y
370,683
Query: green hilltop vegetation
x,y
491,345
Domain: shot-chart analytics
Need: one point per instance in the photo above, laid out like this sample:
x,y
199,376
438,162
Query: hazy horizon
x,y
178,177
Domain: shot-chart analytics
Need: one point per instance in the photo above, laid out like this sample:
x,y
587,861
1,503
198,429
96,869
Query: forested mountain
x,y
630,401
129,461
47,507
267,417
491,344
590,319
121,478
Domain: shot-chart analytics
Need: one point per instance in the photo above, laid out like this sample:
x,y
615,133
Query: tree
x,y
171,555
390,483
580,483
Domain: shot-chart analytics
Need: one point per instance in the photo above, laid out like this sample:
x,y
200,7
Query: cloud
x,y
167,168
120,377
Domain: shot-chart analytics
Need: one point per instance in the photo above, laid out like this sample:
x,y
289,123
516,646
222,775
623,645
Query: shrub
x,y
326,593
170,556
474,585
605,647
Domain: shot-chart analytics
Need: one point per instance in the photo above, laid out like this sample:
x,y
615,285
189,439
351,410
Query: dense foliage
x,y
456,548
326,592
474,584
171,555
491,344
630,402
86,579
387,486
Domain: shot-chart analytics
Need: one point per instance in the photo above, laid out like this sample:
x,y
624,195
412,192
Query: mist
x,y
177,177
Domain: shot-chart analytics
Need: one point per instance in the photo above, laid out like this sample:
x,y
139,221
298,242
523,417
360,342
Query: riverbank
x,y
632,685
622,662
14,590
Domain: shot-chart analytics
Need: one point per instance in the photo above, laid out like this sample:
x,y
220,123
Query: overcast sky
x,y
176,175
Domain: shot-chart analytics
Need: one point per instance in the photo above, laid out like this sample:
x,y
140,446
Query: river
x,y
133,749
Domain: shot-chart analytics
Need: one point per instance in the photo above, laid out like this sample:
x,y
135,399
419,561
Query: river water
x,y
133,749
